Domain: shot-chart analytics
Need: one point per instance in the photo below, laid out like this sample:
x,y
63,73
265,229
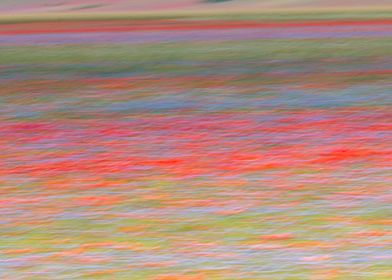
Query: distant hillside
x,y
88,6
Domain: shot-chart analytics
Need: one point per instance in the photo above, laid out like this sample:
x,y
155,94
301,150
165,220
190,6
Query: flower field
x,y
196,149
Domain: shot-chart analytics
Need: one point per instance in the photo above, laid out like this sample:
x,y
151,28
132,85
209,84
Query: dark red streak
x,y
126,26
